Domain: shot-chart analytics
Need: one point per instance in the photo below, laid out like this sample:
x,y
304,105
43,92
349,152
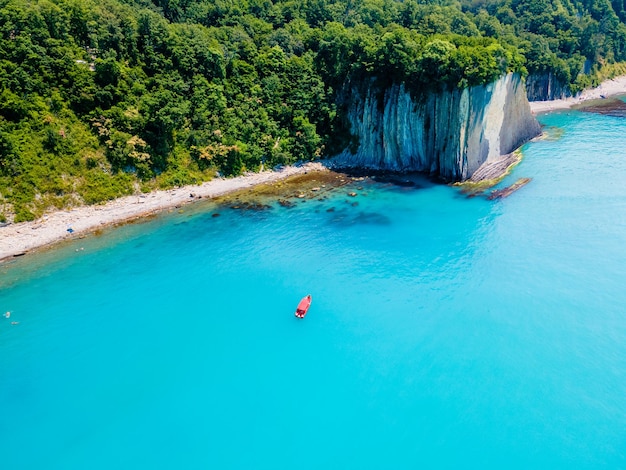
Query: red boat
x,y
303,306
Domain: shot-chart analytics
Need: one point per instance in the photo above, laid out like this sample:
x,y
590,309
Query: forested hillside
x,y
101,98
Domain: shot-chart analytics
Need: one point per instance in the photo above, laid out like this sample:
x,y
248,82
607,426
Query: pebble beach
x,y
18,239
613,87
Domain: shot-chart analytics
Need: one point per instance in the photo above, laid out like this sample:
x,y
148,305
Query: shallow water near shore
x,y
445,331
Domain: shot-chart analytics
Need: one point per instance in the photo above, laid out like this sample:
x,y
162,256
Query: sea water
x,y
444,332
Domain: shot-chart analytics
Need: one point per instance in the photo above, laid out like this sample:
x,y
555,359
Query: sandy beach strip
x,y
17,239
613,87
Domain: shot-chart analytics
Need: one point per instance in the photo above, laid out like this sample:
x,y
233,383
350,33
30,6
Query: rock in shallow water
x,y
609,107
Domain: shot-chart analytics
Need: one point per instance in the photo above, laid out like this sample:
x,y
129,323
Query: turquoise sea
x,y
445,331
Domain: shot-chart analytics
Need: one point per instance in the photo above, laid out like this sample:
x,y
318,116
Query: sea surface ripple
x,y
445,331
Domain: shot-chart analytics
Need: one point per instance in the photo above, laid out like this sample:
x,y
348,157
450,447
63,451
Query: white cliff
x,y
448,134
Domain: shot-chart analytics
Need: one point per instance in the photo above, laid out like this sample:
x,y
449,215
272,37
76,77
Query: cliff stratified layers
x,y
448,134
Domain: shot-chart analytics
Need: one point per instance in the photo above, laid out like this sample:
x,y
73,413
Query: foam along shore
x,y
17,239
614,87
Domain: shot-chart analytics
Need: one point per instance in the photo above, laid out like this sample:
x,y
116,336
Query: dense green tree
x,y
97,96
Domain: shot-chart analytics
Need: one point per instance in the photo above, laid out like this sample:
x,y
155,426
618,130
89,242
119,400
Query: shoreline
x,y
21,238
613,87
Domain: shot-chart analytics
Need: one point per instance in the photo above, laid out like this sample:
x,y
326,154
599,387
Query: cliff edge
x,y
448,134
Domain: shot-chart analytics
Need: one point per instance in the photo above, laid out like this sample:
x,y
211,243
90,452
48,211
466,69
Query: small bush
x,y
98,186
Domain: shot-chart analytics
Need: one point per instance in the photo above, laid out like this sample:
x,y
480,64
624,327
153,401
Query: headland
x,y
21,238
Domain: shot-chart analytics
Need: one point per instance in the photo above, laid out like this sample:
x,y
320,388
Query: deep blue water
x,y
445,332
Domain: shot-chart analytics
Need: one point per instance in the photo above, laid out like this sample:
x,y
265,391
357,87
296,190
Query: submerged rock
x,y
505,192
251,206
285,203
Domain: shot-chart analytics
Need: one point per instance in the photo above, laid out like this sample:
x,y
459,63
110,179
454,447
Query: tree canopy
x,y
100,98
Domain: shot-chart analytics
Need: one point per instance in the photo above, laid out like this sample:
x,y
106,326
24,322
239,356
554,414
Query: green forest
x,y
104,98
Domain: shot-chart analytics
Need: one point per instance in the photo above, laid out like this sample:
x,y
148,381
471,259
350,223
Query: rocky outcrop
x,y
545,87
448,134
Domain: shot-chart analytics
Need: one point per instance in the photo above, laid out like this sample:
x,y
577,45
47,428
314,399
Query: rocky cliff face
x,y
545,87
449,134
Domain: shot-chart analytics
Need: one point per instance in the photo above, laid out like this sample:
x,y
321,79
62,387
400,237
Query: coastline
x,y
21,238
613,87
